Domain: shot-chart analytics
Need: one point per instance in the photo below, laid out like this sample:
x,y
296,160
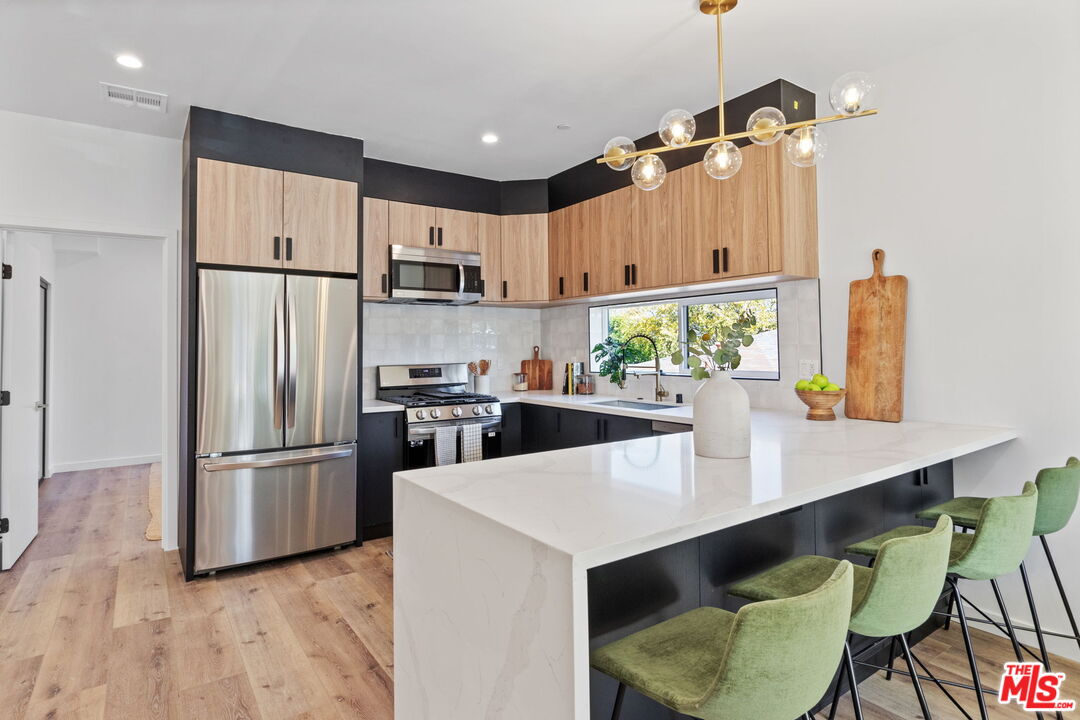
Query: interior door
x,y
241,394
43,379
320,404
20,375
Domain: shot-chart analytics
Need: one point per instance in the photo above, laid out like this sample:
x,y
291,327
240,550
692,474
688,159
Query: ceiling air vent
x,y
158,102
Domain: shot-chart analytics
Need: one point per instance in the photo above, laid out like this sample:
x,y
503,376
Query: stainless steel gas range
x,y
445,423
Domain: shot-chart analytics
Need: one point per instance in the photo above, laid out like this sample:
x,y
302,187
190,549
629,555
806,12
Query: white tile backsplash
x,y
409,334
405,334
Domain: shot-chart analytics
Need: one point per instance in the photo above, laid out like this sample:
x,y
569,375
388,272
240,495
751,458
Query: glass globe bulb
x,y
852,93
805,146
617,147
649,172
722,160
763,119
677,128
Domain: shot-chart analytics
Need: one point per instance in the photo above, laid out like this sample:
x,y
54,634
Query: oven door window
x,y
437,277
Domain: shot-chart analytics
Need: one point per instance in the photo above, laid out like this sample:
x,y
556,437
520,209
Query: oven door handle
x,y
426,432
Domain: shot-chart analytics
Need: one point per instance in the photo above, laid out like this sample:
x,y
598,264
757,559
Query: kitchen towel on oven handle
x,y
446,444
472,444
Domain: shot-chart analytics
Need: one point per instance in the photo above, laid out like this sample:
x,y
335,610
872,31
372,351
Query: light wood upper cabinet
x,y
376,248
744,214
320,218
412,225
489,240
525,257
238,214
455,230
611,251
656,235
560,241
793,219
702,235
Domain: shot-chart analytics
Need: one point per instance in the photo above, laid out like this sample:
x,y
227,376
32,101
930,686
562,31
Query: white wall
x,y
58,175
106,400
968,180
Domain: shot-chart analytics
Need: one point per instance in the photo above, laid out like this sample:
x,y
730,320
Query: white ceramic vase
x,y
721,418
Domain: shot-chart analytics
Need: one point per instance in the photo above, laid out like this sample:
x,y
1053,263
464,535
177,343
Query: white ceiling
x,y
421,80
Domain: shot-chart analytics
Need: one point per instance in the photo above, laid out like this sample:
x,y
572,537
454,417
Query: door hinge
x,y
7,271
5,397
4,525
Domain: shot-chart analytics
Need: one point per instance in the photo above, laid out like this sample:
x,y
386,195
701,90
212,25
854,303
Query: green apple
x,y
802,385
814,387
820,380
831,387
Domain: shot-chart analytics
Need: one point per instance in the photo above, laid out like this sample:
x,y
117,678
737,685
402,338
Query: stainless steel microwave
x,y
434,276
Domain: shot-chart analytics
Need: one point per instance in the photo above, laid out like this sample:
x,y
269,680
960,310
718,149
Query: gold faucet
x,y
661,393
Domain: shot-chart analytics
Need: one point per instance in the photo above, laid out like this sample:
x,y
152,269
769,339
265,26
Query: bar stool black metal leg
x,y
1061,588
914,677
976,680
849,665
836,693
1009,627
1035,617
618,702
892,657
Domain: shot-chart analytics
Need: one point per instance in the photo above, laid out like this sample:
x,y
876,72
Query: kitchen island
x,y
508,571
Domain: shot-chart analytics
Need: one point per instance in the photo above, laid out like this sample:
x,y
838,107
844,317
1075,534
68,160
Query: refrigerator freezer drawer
x,y
267,505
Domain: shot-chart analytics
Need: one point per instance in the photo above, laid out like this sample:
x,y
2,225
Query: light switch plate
x,y
807,369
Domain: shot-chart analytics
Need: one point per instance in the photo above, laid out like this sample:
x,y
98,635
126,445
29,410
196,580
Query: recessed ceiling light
x,y
562,126
129,61
490,138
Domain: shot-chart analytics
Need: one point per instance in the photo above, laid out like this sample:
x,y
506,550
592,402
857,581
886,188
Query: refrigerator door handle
x,y
290,395
279,360
314,457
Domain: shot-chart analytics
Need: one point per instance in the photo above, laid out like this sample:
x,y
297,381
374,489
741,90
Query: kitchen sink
x,y
634,404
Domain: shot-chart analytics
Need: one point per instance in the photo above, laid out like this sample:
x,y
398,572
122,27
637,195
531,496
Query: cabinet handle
x,y
716,261
725,256
384,282
585,282
288,249
599,429
277,247
431,235
504,289
481,287
626,274
633,274
605,429
560,284
440,238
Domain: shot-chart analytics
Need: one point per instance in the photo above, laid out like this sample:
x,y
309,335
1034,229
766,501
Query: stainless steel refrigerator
x,y
276,409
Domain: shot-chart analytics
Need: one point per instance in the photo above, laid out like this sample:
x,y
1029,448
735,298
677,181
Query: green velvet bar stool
x,y
997,547
770,661
890,600
1059,489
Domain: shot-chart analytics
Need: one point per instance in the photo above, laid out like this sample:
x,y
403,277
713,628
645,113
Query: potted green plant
x,y
721,405
614,356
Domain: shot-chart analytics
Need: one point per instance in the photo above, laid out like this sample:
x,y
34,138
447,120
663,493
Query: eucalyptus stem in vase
x,y
721,405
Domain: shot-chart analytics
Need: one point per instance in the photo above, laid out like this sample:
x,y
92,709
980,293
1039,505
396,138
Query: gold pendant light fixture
x,y
850,97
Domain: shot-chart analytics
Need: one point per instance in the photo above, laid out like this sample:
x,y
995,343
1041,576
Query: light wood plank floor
x,y
96,622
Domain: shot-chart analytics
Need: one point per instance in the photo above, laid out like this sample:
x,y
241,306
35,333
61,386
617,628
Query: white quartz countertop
x,y
606,502
554,398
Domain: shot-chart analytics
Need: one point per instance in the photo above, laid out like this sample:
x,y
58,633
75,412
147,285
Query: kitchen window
x,y
667,322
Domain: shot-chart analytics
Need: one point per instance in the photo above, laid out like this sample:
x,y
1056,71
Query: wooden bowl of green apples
x,y
820,395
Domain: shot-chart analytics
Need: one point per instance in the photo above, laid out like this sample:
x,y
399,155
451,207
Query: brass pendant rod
x,y
720,68
735,136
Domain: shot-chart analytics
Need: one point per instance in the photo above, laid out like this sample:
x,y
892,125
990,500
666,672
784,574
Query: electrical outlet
x,y
807,369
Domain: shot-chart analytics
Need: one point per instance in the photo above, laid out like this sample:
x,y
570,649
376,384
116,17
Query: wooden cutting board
x,y
539,371
877,315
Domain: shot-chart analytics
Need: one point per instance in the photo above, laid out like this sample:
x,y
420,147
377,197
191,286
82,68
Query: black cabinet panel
x,y
382,453
937,486
903,498
511,429
745,550
539,428
617,427
847,518
577,428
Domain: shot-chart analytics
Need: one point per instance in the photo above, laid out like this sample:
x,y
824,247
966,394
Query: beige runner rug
x,y
153,504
